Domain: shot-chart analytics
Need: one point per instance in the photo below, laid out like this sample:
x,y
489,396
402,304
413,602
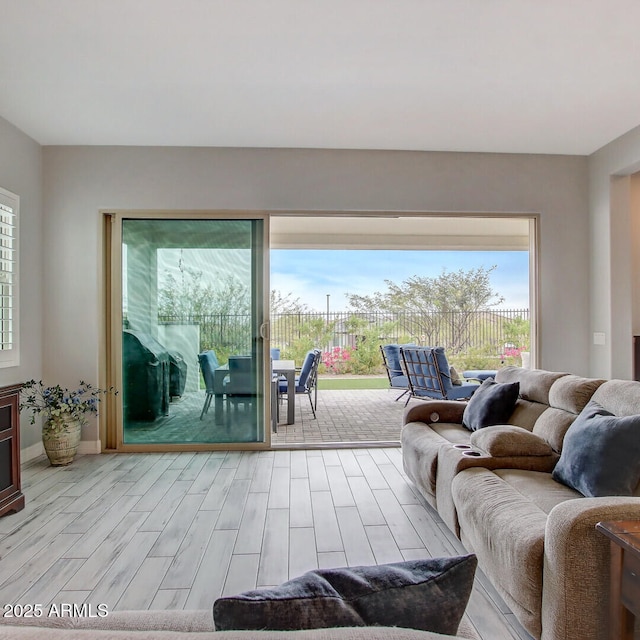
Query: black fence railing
x,y
457,331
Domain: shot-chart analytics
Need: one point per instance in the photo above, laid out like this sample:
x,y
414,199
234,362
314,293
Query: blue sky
x,y
312,274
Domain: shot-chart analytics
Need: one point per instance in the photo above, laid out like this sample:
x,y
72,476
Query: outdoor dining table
x,y
286,368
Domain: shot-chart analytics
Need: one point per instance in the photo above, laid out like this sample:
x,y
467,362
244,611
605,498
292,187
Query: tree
x,y
435,309
222,310
188,295
518,332
280,303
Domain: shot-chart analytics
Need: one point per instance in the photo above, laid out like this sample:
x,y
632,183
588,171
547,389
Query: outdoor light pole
x,y
328,296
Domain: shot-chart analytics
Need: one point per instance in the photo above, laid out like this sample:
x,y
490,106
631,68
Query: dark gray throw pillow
x,y
493,403
600,453
429,595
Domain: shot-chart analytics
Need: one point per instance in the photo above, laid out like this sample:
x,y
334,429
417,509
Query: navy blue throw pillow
x,y
600,453
493,403
430,595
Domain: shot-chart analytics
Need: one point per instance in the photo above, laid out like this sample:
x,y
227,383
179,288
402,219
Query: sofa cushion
x,y
507,440
430,595
491,404
552,425
506,532
601,453
535,384
620,397
538,487
572,393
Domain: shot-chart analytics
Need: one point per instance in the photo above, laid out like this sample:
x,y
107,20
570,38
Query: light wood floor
x,y
162,531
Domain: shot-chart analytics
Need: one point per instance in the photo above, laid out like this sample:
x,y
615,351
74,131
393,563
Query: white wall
x,y
611,200
79,181
21,173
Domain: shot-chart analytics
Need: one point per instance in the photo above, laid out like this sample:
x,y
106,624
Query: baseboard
x,y
32,452
90,447
36,450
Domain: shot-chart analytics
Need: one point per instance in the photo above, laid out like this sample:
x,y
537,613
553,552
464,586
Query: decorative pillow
x,y
600,453
493,403
430,595
503,441
455,376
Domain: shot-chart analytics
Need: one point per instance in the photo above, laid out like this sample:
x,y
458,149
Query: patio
x,y
343,416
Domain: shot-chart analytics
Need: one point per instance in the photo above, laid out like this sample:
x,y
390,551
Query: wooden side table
x,y
625,576
11,498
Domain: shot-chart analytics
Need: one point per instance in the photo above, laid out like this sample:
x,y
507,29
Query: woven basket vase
x,y
61,445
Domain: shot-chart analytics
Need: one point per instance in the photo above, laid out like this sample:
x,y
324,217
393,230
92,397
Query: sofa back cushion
x,y
526,414
572,393
534,393
535,384
549,401
620,397
568,396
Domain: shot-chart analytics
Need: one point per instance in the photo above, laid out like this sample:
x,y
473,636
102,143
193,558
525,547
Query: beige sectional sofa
x,y
192,625
535,538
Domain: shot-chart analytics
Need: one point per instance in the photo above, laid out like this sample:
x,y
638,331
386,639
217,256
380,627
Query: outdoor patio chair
x,y
429,376
239,386
393,364
307,381
208,364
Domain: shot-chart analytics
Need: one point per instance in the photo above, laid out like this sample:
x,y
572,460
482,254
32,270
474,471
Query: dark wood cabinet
x,y
624,596
11,498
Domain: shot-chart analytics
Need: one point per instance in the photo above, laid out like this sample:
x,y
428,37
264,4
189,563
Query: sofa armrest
x,y
503,441
452,459
435,411
575,597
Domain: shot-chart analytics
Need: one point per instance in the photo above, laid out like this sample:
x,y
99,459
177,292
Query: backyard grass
x,y
353,382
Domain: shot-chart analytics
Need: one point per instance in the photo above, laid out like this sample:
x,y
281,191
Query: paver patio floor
x,y
354,415
343,416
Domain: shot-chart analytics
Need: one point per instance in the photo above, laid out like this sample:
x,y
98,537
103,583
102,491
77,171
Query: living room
x,y
582,181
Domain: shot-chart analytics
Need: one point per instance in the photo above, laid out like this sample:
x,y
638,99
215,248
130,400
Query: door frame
x,y
107,429
111,428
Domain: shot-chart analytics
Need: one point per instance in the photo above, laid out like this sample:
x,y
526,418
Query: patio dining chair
x,y
429,375
208,364
307,381
239,387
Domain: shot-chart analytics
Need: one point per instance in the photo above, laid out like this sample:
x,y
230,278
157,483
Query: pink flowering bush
x,y
512,352
337,360
511,355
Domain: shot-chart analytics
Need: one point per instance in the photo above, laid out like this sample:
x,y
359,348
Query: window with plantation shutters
x,y
9,354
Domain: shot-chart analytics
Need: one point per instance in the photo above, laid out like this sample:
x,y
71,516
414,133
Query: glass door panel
x,y
192,354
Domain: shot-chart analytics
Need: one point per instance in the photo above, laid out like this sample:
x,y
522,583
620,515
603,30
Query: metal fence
x,y
457,331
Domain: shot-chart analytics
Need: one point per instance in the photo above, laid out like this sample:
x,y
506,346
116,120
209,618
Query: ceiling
x,y
524,76
450,233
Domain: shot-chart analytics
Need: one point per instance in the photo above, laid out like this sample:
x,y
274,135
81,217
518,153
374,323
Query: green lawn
x,y
356,382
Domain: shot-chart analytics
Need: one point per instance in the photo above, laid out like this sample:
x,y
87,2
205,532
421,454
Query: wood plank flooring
x,y
175,531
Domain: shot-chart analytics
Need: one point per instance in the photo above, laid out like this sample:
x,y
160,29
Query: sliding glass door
x,y
191,353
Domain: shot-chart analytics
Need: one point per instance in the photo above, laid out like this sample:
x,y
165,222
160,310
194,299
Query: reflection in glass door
x,y
191,348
